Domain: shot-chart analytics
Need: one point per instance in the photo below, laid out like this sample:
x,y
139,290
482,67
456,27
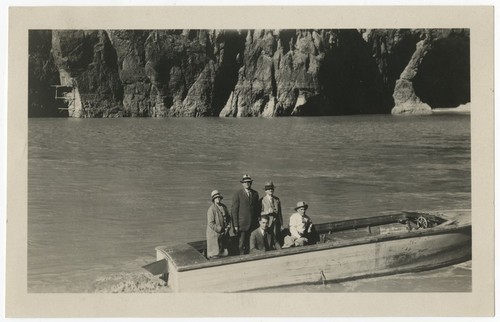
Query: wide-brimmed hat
x,y
216,194
246,178
269,185
301,204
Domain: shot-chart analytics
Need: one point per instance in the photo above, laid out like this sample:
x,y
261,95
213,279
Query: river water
x,y
102,193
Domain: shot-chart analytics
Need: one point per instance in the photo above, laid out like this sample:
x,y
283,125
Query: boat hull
x,y
325,263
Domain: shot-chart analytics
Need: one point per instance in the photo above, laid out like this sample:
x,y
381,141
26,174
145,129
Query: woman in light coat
x,y
218,227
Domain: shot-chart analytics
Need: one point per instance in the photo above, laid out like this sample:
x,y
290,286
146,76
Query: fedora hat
x,y
246,178
301,204
269,185
216,194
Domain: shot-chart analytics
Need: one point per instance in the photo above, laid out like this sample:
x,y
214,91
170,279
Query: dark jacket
x,y
257,243
245,211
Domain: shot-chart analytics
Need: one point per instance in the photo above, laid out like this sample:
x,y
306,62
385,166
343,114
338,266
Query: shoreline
x,y
461,109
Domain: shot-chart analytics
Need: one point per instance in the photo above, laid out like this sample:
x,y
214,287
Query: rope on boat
x,y
323,277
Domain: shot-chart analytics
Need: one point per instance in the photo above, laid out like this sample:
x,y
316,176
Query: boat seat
x,y
185,254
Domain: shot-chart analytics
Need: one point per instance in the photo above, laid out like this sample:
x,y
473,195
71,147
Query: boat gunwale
x,y
440,229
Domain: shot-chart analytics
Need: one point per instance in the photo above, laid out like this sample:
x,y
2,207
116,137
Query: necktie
x,y
266,244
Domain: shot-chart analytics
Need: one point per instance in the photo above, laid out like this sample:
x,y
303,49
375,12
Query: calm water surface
x,y
104,192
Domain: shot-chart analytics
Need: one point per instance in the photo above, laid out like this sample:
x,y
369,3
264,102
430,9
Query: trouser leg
x,y
289,241
300,241
243,242
233,245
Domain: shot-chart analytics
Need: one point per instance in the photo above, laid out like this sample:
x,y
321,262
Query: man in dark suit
x,y
244,212
262,239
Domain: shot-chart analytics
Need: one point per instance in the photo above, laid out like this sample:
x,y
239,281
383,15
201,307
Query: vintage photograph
x,y
324,157
244,161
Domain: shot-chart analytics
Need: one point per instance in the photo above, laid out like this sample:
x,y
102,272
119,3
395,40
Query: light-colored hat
x,y
269,185
301,204
246,178
216,194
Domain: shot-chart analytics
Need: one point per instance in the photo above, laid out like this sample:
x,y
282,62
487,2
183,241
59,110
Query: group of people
x,y
254,224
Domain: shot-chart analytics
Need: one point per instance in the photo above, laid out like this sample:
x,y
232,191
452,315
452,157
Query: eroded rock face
x,y
131,61
87,62
298,59
268,73
392,50
175,72
405,99
437,74
181,67
306,72
254,89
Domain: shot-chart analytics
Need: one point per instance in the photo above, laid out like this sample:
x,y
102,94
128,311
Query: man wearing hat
x,y
218,227
271,206
244,212
301,227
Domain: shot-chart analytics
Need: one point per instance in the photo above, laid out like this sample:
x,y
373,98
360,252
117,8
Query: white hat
x,y
246,178
216,194
301,204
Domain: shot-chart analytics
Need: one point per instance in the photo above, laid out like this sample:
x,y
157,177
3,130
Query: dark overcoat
x,y
244,210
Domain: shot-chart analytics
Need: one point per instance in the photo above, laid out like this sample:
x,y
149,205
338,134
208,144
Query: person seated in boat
x,y
262,239
302,231
218,228
271,206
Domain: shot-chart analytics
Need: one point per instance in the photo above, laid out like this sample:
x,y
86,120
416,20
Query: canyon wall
x,y
237,73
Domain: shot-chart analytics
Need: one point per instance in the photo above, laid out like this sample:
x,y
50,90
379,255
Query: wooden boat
x,y
347,250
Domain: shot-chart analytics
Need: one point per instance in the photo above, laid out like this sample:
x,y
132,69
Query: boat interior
x,y
338,234
363,227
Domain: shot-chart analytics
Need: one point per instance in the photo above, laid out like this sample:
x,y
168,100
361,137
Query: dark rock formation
x,y
307,72
131,60
42,74
181,67
438,74
392,50
350,77
174,72
444,73
255,91
267,73
87,62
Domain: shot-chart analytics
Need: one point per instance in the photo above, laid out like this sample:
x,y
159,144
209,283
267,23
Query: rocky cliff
x,y
161,73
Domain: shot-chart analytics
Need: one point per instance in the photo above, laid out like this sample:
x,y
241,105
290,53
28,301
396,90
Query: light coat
x,y
217,238
273,210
